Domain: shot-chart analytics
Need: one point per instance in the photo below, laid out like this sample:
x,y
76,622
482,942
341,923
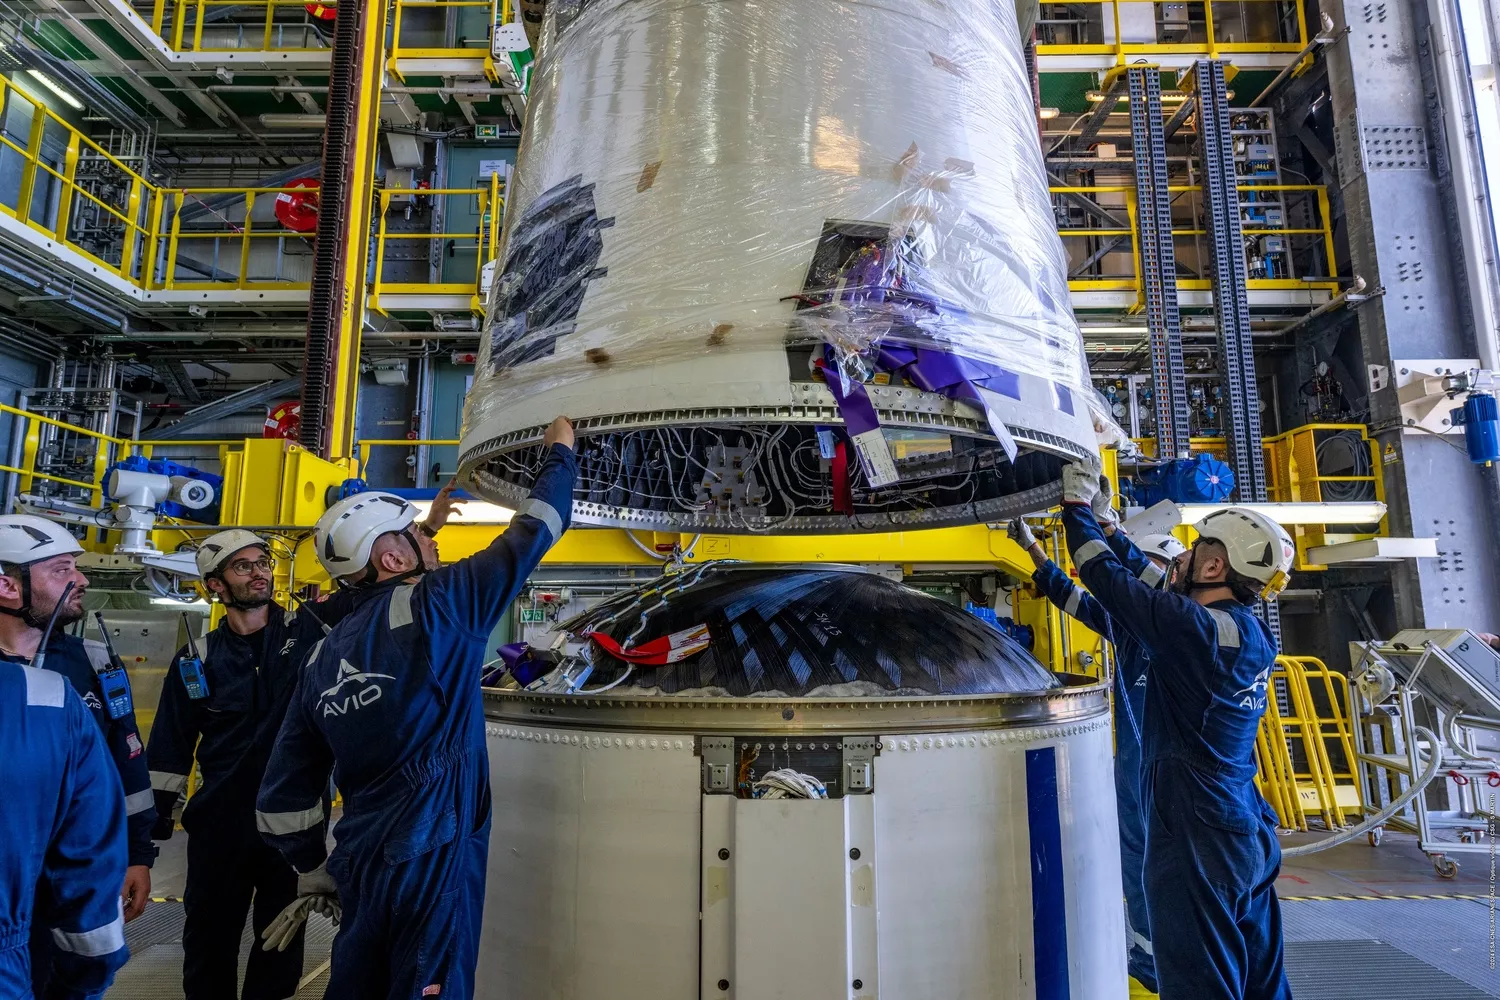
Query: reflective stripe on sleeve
x,y
400,613
100,941
1229,631
544,512
44,688
1152,575
166,781
285,823
1089,551
1074,600
139,802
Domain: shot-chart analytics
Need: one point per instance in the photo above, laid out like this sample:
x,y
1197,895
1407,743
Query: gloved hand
x,y
316,893
1104,504
1080,482
1020,533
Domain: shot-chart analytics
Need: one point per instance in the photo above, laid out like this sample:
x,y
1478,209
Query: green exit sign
x,y
486,131
529,615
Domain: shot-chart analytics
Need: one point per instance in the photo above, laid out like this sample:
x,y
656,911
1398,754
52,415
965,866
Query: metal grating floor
x,y
1369,970
154,971
1402,949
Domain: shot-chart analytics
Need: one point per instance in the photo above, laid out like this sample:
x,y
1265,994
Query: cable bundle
x,y
785,783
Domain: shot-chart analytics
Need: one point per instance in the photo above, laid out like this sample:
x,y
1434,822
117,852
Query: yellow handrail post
x,y
169,275
33,155
1208,26
179,19
245,241
158,11
385,203
153,238
198,28
132,209
1119,40
65,195
1325,216
270,17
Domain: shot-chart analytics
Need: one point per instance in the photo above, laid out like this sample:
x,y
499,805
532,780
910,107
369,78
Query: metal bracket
x,y
718,764
859,753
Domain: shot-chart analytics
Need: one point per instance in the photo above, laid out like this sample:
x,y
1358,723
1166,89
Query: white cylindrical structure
x,y
712,198
983,862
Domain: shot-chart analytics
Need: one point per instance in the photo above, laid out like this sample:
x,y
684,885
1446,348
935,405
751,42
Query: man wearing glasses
x,y
226,712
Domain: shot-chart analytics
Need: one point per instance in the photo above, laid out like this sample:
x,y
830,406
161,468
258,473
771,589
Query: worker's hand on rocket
x,y
1104,504
1080,482
443,507
559,432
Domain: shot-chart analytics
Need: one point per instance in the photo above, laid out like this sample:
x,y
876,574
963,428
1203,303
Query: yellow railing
x,y
1305,746
366,446
485,236
399,51
182,24
53,200
1319,234
108,450
148,236
1199,36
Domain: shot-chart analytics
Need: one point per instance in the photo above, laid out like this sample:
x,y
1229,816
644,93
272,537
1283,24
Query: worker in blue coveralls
x,y
224,712
63,831
1211,852
1151,562
390,703
41,583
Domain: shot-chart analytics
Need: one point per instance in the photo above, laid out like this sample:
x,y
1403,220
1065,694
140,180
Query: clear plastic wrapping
x,y
701,177
734,213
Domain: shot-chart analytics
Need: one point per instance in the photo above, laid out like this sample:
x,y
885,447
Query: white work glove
x,y
1020,533
1080,482
316,893
1104,504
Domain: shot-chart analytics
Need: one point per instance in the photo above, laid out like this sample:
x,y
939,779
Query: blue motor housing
x,y
172,470
1480,419
1022,634
1200,479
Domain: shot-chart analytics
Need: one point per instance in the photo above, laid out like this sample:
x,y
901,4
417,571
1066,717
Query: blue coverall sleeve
x,y
289,811
1133,559
125,746
1074,601
174,735
471,594
1164,622
85,865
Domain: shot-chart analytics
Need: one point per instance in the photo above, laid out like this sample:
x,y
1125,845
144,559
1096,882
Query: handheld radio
x,y
190,667
114,681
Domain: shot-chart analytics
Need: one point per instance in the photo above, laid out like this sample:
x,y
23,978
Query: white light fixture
x,y
1137,330
1295,513
293,121
170,602
472,512
1047,114
56,88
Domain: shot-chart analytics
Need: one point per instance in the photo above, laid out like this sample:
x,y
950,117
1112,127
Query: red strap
x,y
843,493
1459,778
658,652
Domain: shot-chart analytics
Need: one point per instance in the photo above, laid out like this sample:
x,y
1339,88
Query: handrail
x,y
173,30
1322,234
1210,46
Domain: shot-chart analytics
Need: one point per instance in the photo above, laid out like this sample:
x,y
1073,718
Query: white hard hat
x,y
1166,547
347,531
26,538
1259,548
215,550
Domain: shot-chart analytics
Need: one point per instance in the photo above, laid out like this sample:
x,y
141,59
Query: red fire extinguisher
x,y
284,420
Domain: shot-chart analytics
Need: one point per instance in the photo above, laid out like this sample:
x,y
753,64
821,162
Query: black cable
x,y
41,650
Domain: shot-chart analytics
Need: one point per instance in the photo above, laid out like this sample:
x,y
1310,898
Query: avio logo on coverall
x,y
1254,696
335,704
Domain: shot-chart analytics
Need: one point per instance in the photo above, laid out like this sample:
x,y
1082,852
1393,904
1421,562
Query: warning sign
x,y
1390,457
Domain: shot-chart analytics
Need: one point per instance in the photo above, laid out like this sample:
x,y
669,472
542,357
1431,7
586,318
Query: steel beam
x,y
336,300
1398,239
1228,273
228,406
1158,263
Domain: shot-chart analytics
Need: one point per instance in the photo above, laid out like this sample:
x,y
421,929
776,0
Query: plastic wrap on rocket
x,y
733,175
